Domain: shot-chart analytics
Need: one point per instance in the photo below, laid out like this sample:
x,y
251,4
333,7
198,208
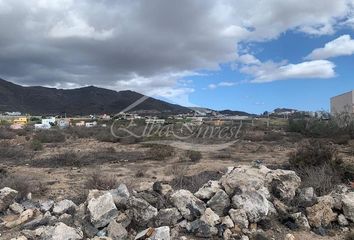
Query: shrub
x,y
49,136
193,156
314,153
273,136
101,181
6,133
139,174
66,159
349,236
160,152
10,152
36,145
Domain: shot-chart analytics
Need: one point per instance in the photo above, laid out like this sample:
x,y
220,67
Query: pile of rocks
x,y
235,207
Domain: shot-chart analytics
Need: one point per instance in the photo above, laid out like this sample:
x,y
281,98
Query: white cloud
x,y
342,46
248,59
270,71
222,84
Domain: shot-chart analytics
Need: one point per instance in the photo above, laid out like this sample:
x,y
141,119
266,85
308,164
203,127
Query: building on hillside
x,y
91,124
42,126
16,126
343,103
155,121
21,120
80,124
49,121
63,123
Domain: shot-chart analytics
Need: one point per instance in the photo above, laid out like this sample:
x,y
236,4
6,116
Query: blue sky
x,y
223,54
299,93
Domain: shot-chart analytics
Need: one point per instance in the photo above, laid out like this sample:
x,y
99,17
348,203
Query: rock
x,y
120,196
41,220
210,218
227,222
24,217
348,206
239,217
147,233
7,196
64,206
227,234
102,210
219,203
153,198
320,231
161,233
63,232
16,208
255,205
208,190
144,186
289,236
301,221
116,231
202,229
46,206
142,211
168,216
280,207
123,219
307,197
189,206
342,221
166,189
283,184
244,178
320,214
66,218
19,238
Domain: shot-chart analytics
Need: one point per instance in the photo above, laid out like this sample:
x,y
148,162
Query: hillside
x,y
80,101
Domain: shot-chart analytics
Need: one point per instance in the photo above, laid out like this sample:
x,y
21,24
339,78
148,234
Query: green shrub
x,y
193,156
36,145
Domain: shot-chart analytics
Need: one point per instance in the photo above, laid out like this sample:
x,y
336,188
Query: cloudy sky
x,y
245,55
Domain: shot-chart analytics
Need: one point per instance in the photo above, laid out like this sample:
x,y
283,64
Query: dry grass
x,y
159,152
49,136
99,181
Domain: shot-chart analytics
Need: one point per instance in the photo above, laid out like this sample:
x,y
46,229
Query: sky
x,y
222,54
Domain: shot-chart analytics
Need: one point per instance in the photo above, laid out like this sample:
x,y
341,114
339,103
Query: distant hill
x,y
80,101
235,113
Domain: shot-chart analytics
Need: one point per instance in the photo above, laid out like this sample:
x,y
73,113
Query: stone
x,y
19,238
289,236
239,217
254,203
189,206
64,206
280,207
147,233
41,220
320,214
244,178
219,203
120,196
142,211
168,216
301,221
66,218
46,206
208,190
24,217
210,217
348,206
227,222
307,196
116,231
7,196
64,232
227,234
102,210
342,221
283,184
202,229
166,189
161,233
16,208
123,219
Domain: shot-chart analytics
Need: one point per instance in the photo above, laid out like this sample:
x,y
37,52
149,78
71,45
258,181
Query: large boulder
x,y
239,218
189,206
320,214
283,184
254,203
168,216
208,190
306,197
102,210
244,178
219,203
64,206
7,196
142,211
210,217
301,221
116,231
120,196
23,218
61,232
202,229
348,205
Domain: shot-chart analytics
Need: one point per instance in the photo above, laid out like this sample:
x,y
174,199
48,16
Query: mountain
x,y
235,113
80,101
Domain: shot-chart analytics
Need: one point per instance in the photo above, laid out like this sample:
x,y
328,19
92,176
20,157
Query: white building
x,y
343,103
48,121
154,121
90,124
42,126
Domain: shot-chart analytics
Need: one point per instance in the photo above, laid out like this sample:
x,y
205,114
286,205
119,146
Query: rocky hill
x,y
80,101
248,202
